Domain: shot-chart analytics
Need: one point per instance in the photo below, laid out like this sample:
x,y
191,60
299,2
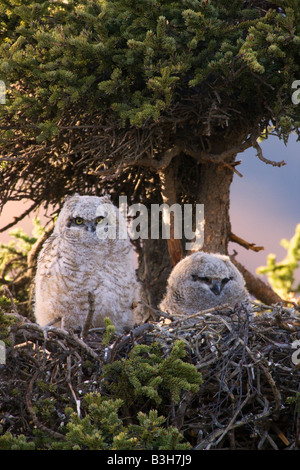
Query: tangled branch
x,y
244,356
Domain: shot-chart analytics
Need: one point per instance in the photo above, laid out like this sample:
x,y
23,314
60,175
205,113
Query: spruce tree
x,y
148,98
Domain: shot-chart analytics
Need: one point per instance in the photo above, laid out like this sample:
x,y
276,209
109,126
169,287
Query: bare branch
x,y
20,217
265,160
257,287
249,246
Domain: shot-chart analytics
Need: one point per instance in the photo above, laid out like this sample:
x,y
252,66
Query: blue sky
x,y
265,202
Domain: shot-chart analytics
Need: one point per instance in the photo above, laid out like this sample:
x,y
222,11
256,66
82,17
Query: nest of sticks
x,y
249,361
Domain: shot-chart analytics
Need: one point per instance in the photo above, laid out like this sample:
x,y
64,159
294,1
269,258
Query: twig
x,y
233,419
250,418
249,246
265,160
62,333
69,382
52,433
201,313
20,217
9,295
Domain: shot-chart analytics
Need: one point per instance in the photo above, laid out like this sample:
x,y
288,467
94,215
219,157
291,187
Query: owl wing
x,y
48,257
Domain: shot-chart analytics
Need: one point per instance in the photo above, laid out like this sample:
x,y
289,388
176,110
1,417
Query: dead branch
x,y
265,160
259,289
20,217
249,246
244,355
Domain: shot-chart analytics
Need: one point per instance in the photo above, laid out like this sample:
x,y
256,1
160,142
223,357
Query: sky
x,y
264,203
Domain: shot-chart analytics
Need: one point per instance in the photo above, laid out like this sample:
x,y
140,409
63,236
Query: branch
x,y
249,246
20,217
164,160
202,156
265,160
231,166
10,296
257,287
36,248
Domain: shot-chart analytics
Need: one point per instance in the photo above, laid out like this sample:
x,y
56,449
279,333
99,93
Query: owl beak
x,y
91,227
216,287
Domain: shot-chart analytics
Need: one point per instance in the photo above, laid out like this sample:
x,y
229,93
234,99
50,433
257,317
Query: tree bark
x,y
214,193
159,256
154,269
168,178
257,287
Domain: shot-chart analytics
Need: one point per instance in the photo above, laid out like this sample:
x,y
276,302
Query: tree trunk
x,y
168,178
214,193
154,269
199,177
159,256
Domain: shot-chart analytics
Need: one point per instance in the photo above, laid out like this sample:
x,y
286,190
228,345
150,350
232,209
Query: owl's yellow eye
x,y
99,219
78,220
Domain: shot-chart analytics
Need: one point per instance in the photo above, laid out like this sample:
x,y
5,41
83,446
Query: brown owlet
x,y
202,281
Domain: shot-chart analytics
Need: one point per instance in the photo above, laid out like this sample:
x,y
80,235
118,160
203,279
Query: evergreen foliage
x,y
92,79
100,423
14,267
146,374
281,275
13,255
10,442
110,329
136,57
101,429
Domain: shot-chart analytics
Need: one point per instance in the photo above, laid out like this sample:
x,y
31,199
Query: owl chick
x,y
202,281
88,252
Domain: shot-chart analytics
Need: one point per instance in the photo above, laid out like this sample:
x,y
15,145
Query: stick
x,y
265,160
249,246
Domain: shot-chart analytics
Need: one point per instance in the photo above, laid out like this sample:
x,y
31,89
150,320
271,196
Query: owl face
x,y
212,272
83,217
81,223
204,280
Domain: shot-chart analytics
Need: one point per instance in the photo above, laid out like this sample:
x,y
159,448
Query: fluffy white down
x,y
75,261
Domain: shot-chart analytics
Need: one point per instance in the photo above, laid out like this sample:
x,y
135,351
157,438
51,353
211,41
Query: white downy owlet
x,y
86,254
